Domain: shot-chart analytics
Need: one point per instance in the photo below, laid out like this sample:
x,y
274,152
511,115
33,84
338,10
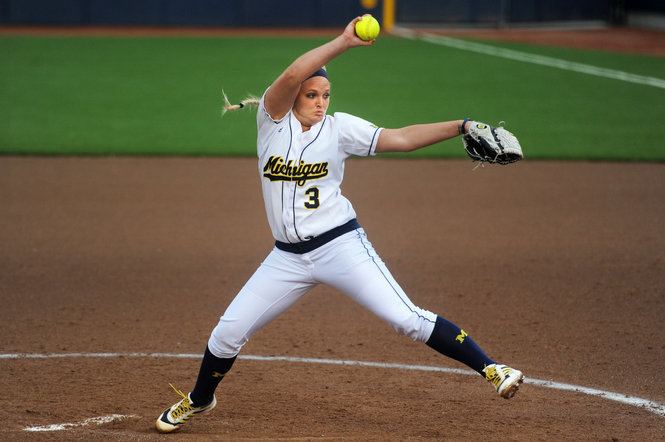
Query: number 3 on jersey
x,y
313,194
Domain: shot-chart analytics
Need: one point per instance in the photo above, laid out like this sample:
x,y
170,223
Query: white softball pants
x,y
347,263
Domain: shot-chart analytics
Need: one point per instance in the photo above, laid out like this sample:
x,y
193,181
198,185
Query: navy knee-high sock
x,y
450,340
212,371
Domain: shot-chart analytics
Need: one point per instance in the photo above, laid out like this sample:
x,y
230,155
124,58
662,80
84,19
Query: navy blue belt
x,y
318,241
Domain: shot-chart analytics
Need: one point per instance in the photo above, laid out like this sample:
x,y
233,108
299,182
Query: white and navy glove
x,y
488,144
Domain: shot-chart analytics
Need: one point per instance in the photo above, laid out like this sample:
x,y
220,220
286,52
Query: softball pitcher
x,y
301,152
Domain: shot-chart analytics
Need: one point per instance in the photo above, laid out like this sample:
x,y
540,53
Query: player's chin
x,y
317,117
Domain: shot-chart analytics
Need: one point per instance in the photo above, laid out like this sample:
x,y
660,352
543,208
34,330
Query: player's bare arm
x,y
282,93
409,138
481,142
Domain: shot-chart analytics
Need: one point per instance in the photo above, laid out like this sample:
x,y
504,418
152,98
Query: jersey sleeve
x,y
357,136
262,115
266,125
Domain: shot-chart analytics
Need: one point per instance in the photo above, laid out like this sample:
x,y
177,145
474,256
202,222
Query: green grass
x,y
163,95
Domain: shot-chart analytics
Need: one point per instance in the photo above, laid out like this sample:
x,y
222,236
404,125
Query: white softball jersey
x,y
318,239
301,172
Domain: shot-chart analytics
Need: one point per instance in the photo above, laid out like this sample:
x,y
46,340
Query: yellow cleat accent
x,y
505,380
177,414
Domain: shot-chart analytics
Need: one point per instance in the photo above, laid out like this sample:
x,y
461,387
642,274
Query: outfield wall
x,y
502,12
309,13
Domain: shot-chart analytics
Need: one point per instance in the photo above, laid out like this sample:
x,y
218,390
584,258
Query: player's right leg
x,y
356,269
275,286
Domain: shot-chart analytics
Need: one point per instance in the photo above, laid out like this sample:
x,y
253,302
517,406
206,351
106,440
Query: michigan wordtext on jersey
x,y
277,170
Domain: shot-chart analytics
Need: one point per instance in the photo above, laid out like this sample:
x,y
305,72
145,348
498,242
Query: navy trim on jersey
x,y
390,283
370,144
316,242
286,234
295,186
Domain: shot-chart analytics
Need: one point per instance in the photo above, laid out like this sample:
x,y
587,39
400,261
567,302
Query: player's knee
x,y
417,325
226,339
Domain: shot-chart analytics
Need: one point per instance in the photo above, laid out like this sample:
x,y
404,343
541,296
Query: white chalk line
x,y
645,404
99,420
531,58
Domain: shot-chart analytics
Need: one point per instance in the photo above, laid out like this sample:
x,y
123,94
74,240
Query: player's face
x,y
312,101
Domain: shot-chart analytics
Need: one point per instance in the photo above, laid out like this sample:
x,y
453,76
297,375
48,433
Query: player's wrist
x,y
461,128
343,42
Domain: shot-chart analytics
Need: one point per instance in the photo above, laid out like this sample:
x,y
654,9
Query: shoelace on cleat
x,y
183,407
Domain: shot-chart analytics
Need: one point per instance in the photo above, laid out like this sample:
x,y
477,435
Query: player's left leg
x,y
357,270
280,281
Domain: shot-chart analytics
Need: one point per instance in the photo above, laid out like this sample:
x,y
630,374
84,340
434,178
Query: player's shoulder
x,y
263,115
343,119
341,116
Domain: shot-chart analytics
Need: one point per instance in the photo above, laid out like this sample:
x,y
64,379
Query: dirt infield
x,y
559,272
627,40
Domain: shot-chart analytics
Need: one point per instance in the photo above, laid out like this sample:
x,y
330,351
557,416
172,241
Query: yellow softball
x,y
367,28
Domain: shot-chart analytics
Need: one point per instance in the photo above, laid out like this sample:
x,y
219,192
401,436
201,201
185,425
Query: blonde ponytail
x,y
250,101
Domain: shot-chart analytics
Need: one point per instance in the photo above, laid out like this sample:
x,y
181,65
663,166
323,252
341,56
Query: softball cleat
x,y
506,380
177,414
